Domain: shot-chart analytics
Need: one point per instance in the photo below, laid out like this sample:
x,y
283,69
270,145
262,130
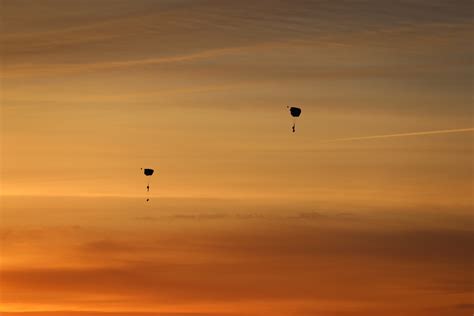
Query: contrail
x,y
444,131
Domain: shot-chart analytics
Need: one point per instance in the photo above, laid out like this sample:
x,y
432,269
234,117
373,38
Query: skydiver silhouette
x,y
294,127
148,188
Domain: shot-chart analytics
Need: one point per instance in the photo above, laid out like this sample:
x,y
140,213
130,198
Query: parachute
x,y
295,112
148,172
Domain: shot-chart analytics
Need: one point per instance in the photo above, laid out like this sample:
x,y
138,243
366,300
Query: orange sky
x,y
365,210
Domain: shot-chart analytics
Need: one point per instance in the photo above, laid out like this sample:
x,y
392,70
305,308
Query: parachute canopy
x,y
295,112
148,172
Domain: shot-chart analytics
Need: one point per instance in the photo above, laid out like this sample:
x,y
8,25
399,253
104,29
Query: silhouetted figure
x,y
295,113
148,172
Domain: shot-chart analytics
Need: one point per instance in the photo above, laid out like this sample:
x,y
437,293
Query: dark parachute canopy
x,y
295,112
148,172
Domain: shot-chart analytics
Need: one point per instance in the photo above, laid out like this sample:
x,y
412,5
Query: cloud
x,y
251,262
84,67
465,306
99,313
435,132
108,246
76,37
321,260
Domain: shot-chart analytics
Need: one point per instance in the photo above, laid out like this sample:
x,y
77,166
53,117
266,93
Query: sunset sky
x,y
365,210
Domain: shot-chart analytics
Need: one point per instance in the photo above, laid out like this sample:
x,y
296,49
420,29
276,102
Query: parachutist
x,y
295,113
148,172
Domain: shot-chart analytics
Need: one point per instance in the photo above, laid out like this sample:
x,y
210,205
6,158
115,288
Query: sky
x,y
365,210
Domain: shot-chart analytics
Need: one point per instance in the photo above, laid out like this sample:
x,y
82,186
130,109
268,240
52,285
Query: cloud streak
x,y
271,263
436,132
66,68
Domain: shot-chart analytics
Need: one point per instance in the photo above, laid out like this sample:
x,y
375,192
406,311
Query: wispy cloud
x,y
57,68
247,264
444,131
101,313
